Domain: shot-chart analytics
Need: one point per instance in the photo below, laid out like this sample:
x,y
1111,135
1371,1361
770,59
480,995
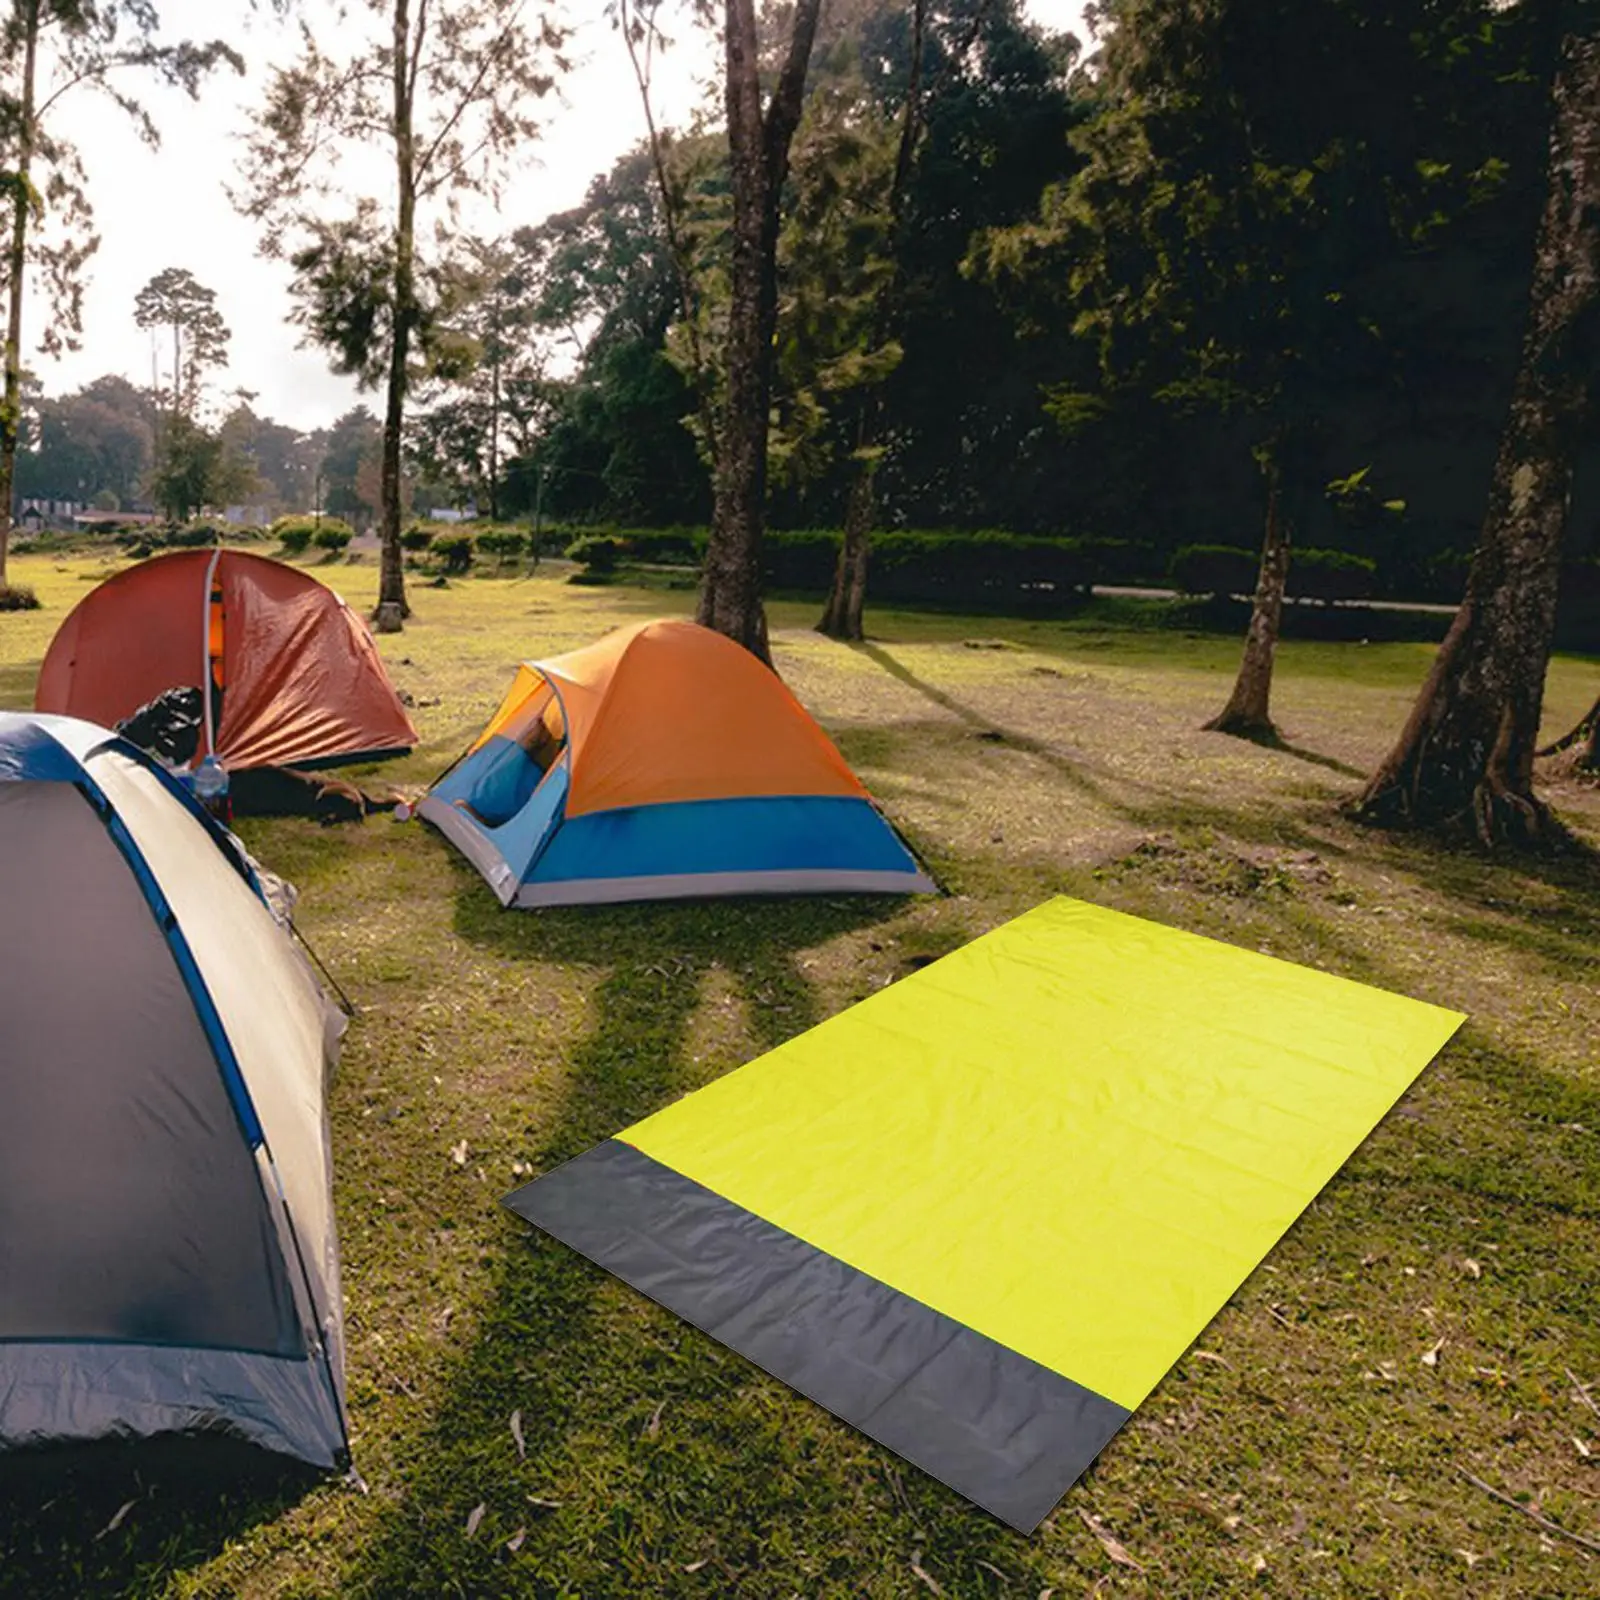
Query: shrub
x,y
332,537
1213,569
17,597
454,551
666,547
1331,575
192,535
504,544
295,533
943,567
597,552
416,540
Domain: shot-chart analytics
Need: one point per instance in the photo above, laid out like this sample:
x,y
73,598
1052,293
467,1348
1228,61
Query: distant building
x,y
36,512
88,520
247,516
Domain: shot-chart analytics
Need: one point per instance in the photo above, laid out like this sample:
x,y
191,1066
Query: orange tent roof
x,y
303,679
668,710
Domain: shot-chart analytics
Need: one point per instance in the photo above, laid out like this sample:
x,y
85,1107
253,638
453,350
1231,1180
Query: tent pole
x,y
205,651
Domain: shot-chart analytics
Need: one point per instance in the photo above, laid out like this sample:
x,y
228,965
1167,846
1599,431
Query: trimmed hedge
x,y
192,535
416,540
296,533
1331,575
907,565
18,597
332,537
1220,569
1201,569
599,553
454,552
504,544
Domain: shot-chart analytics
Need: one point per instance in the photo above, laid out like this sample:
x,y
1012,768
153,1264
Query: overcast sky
x,y
169,207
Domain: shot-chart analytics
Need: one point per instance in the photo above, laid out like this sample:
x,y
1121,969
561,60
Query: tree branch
x,y
470,97
783,113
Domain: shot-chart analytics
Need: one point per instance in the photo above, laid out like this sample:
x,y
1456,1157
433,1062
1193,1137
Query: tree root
x,y
1239,726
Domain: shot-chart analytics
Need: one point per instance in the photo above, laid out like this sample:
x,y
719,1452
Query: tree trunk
x,y
16,265
1248,711
494,431
847,600
392,607
1466,751
843,618
758,161
1586,735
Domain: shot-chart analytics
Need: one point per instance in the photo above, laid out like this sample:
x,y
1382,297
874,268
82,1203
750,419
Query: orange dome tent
x,y
662,761
289,674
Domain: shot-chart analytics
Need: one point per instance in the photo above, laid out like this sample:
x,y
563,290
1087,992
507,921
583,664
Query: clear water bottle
x,y
211,787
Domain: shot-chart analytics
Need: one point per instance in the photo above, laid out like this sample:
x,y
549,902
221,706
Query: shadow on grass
x,y
175,1504
670,1453
1262,826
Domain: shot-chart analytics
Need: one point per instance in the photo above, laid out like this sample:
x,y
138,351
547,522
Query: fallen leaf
x,y
695,1566
474,1517
458,1153
1112,1546
653,1426
1259,1565
989,1566
543,1505
1582,1449
1471,1268
1470,1559
1211,1355
1046,1594
516,1433
116,1521
1430,1356
514,1543
925,1577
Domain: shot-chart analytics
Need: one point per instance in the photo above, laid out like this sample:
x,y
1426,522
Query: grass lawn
x,y
1303,1448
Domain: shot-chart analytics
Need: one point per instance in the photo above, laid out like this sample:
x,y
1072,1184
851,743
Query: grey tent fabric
x,y
168,1258
130,1207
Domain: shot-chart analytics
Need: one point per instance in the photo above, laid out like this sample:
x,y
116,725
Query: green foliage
x,y
297,533
17,597
454,552
176,300
597,552
193,535
1213,569
504,544
333,536
1331,575
416,540
195,468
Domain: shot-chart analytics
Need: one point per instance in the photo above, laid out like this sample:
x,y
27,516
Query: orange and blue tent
x,y
662,762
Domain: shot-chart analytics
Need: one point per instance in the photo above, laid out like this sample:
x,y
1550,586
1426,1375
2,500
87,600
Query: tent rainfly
x,y
288,673
168,1259
662,762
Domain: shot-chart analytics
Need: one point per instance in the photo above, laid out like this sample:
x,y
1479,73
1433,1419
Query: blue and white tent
x,y
168,1258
